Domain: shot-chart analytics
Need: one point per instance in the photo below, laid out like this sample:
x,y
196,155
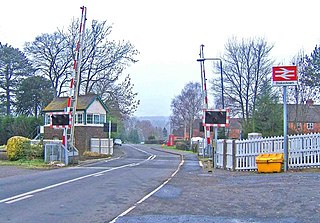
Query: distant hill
x,y
156,121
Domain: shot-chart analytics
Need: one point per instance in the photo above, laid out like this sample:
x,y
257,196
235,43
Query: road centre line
x,y
13,198
140,150
91,167
150,194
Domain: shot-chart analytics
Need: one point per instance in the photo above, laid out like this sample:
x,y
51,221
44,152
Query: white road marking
x,y
62,183
18,199
91,167
148,195
140,150
98,175
30,193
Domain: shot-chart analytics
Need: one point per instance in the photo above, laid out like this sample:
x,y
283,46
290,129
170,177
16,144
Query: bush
x,y
155,141
21,125
94,155
181,145
151,138
19,147
15,147
31,151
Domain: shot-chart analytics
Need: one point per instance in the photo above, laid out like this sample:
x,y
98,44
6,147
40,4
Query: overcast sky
x,y
168,34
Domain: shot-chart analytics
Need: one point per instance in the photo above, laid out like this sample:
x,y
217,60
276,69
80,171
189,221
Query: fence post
x,y
234,161
224,149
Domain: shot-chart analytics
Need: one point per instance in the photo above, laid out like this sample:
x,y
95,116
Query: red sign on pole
x,y
284,75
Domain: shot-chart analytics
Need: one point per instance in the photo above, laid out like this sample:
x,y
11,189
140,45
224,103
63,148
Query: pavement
x,y
195,195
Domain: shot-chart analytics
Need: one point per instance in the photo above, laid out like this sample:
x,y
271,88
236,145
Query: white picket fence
x,y
304,151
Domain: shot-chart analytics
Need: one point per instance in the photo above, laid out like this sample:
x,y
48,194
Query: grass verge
x,y
175,149
28,164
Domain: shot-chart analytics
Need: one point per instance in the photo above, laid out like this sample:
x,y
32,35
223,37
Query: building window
x,y
79,119
47,119
102,118
89,118
96,119
298,125
310,126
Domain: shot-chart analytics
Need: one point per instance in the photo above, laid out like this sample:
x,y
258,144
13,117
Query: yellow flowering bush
x,y
15,147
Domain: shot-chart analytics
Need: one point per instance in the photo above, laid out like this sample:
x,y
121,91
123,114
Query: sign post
x,y
285,76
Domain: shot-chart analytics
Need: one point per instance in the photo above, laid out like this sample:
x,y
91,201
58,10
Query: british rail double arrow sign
x,y
284,75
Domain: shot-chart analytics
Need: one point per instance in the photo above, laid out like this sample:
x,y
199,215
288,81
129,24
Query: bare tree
x,y
104,60
308,84
51,57
120,98
103,63
246,66
186,107
146,128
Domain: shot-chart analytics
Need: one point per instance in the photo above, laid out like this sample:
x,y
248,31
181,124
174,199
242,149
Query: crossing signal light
x,y
215,117
60,119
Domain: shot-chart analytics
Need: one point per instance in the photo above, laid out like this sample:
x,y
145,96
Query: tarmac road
x,y
94,192
193,195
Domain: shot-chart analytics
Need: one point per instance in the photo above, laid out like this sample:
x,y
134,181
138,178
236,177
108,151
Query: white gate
x,y
102,146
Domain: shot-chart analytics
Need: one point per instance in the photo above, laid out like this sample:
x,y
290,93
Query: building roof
x,y
303,113
84,101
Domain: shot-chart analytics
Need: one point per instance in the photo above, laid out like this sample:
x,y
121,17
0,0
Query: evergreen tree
x,y
33,95
268,116
14,66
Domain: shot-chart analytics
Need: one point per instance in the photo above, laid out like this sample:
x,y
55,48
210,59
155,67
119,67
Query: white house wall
x,y
96,108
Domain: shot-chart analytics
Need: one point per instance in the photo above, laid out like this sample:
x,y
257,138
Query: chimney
x,y
309,102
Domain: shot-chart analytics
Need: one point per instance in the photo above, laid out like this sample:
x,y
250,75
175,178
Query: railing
x,y
55,151
102,146
35,134
304,151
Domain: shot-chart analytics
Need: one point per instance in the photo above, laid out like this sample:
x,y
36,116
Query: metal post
x,y
222,96
285,129
214,151
190,134
66,154
109,135
222,89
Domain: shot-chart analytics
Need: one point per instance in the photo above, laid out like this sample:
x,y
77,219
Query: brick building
x,y
303,118
90,117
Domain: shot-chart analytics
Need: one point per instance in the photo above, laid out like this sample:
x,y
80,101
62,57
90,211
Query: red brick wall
x,y
83,134
292,128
